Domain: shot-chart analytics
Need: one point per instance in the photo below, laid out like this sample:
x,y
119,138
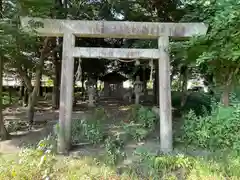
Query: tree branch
x,y
230,78
57,48
25,78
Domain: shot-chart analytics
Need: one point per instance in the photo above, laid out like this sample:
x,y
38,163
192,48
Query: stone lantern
x,y
138,88
91,93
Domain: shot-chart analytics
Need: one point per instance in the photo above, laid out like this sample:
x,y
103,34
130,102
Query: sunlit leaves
x,y
38,8
219,48
17,47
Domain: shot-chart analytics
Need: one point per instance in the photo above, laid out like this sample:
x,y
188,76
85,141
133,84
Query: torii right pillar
x,y
165,105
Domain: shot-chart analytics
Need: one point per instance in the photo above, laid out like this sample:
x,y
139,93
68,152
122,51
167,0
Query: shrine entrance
x,y
114,90
69,29
113,85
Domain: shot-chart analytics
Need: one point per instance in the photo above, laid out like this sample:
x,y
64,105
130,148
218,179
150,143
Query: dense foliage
x,y
141,122
216,131
215,55
90,129
180,166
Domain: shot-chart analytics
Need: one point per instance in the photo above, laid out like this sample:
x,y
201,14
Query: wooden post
x,y
165,96
66,95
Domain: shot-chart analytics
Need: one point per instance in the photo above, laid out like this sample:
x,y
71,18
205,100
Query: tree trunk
x,y
83,87
145,91
10,95
40,91
209,82
25,97
27,86
32,100
30,110
21,91
3,132
225,96
156,84
228,85
184,86
57,76
74,91
56,84
97,90
56,93
171,78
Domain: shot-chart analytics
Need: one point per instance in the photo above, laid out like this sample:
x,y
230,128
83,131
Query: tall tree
x,y
22,49
3,132
217,52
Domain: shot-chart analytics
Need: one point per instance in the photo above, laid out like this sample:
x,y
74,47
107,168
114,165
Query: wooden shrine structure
x,y
113,85
69,29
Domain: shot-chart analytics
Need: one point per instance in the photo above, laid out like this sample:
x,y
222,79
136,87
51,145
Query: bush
x,y
135,131
90,128
196,101
147,118
164,167
48,144
140,123
180,166
220,129
92,131
114,147
133,115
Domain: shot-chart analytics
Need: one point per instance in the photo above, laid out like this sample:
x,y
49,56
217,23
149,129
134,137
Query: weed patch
x,y
219,130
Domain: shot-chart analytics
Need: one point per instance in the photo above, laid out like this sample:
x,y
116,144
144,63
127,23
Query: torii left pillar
x,y
165,105
66,95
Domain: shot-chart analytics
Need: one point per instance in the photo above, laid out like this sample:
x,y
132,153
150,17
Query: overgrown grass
x,y
34,164
216,131
221,166
43,163
140,123
90,129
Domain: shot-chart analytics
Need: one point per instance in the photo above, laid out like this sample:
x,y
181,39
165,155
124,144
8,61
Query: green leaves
x,y
141,122
217,51
218,130
36,8
114,148
20,49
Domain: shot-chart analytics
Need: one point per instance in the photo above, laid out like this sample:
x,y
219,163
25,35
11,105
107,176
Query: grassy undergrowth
x,y
36,164
31,165
43,163
214,131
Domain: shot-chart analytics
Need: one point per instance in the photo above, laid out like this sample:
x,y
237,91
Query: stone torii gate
x,y
68,29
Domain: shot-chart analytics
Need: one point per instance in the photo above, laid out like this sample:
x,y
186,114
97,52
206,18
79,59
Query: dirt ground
x,y
45,119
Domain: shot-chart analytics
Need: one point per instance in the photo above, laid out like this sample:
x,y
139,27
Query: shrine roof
x,y
113,77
